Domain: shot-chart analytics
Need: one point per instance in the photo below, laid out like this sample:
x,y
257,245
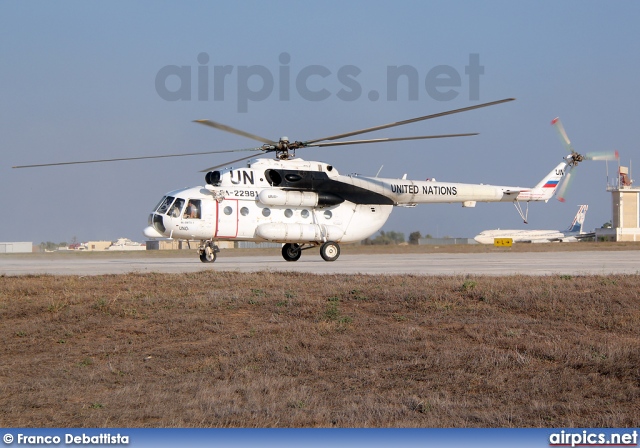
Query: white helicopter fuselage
x,y
246,206
238,217
299,201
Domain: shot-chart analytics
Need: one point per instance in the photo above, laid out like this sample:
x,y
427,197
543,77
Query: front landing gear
x,y
291,252
330,251
208,252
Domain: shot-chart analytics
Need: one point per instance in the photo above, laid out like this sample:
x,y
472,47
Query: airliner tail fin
x,y
578,220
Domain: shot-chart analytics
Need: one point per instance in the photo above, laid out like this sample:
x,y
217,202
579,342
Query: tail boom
x,y
546,188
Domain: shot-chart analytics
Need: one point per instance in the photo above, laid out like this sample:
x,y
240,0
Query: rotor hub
x,y
574,159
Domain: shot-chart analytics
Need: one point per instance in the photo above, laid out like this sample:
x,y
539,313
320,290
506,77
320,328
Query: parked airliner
x,y
572,234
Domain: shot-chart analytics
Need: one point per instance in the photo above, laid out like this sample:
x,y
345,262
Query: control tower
x,y
626,211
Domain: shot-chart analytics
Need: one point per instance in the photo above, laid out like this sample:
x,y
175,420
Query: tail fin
x,y
547,187
578,220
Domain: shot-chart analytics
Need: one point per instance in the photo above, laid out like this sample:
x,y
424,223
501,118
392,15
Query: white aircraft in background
x,y
572,234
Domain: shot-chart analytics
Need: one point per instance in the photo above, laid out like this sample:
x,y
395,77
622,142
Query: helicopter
x,y
304,204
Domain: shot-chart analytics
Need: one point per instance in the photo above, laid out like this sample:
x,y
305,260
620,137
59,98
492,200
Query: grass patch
x,y
269,350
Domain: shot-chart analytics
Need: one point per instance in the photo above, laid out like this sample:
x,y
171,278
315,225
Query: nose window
x,y
158,224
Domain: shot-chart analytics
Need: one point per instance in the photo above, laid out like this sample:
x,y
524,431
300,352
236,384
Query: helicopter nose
x,y
156,227
151,232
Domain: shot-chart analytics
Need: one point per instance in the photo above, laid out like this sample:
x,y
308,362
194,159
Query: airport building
x,y
95,245
625,225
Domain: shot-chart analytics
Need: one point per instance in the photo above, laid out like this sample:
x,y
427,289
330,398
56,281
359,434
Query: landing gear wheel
x,y
208,255
291,252
330,251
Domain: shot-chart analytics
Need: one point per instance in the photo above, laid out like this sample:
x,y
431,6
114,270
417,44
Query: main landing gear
x,y
208,251
329,251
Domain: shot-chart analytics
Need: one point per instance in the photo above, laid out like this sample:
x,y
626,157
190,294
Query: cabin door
x,y
227,219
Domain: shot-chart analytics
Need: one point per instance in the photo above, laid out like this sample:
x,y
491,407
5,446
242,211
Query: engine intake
x,y
212,178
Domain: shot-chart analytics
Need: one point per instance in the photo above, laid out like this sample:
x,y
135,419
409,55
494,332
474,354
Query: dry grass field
x,y
223,349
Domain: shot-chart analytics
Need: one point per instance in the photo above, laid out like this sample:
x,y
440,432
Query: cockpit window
x,y
176,208
158,204
164,204
193,209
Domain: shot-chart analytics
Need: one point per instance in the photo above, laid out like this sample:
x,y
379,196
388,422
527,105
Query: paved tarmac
x,y
526,263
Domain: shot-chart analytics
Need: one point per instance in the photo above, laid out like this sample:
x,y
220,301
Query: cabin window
x,y
304,213
244,211
227,210
288,213
193,209
266,212
328,214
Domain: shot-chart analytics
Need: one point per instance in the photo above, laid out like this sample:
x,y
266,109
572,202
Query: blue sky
x,y
78,81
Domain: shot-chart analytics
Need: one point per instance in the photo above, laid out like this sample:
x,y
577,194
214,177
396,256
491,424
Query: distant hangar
x,y
16,248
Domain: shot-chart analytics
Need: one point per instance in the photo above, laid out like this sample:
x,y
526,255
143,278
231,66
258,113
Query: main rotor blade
x,y
412,120
227,163
556,123
224,127
379,140
138,158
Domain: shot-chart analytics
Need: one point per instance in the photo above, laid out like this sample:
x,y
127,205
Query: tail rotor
x,y
574,158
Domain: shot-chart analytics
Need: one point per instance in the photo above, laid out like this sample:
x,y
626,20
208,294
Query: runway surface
x,y
526,263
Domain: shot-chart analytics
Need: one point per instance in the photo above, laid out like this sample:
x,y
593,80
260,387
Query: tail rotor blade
x,y
562,190
604,155
556,123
